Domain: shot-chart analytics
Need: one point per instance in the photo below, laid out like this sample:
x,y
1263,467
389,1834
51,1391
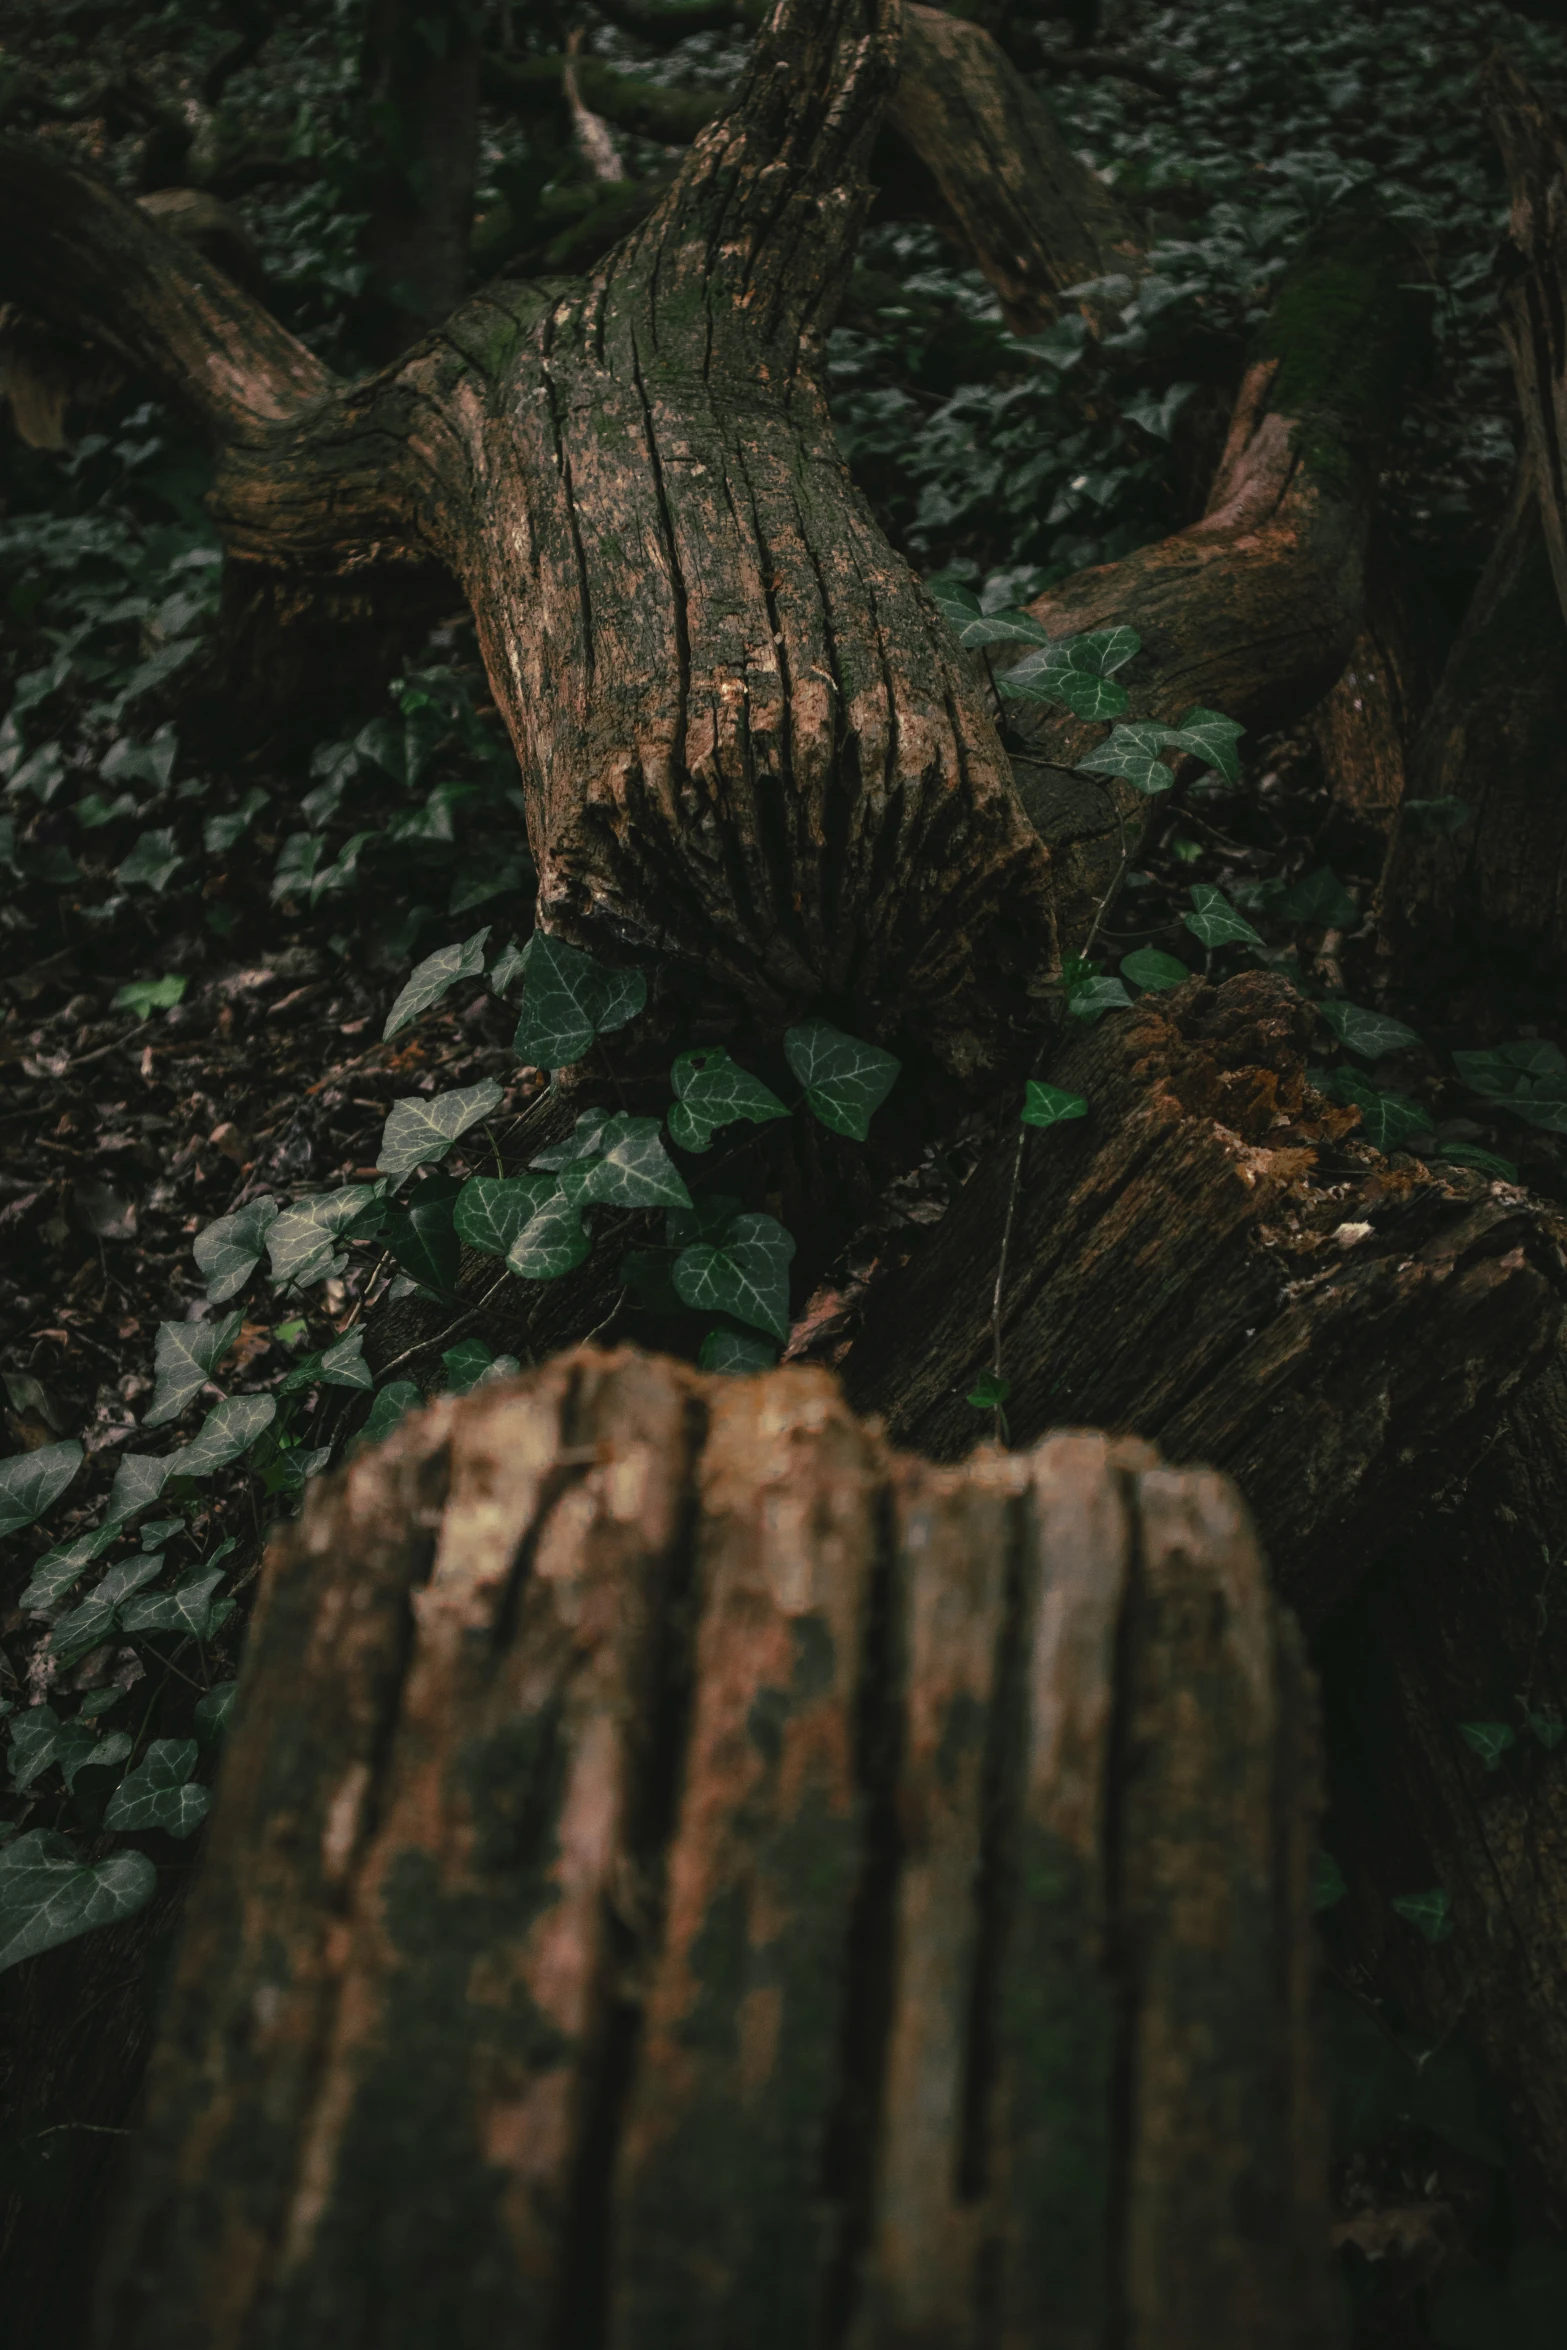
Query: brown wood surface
x,y
1211,1260
683,1874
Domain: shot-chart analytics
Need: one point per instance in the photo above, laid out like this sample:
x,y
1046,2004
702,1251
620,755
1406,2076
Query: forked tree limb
x,y
683,1874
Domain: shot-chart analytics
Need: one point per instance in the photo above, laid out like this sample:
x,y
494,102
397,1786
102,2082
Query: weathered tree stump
x,y
683,1873
1210,1261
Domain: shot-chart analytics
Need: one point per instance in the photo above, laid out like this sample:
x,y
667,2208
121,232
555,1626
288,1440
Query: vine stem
x,y
1015,1188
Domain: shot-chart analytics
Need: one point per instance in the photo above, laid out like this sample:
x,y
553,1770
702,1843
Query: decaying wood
x,y
1210,1260
1467,1622
682,1873
1036,218
1364,727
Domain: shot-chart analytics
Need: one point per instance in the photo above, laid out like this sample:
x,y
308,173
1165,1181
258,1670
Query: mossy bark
x,y
683,1876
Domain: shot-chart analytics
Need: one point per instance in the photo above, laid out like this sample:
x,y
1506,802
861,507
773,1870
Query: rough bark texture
x,y
1255,609
1534,320
1465,1622
1209,1261
747,739
1364,728
1035,217
1495,743
682,1874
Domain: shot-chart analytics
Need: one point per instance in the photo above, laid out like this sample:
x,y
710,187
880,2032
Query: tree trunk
x,y
1486,866
420,97
1209,1260
1465,1624
683,1874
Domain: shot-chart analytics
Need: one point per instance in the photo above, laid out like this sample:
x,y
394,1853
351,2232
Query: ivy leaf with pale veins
x,y
1319,897
585,1141
32,1482
1387,1120
422,1236
1212,737
422,1130
507,967
1371,1034
1469,1154
492,1209
1431,1913
1048,1105
714,1091
342,1365
735,1351
1489,1740
83,1627
430,980
48,1895
1215,922
635,1171
39,1739
568,999
1133,752
229,1250
229,1429
58,1569
392,1404
187,1609
1090,997
745,1273
551,1243
185,1356
159,1793
138,1481
303,1241
1147,967
845,1079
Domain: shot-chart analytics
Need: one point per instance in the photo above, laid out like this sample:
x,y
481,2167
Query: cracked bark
x,y
591,1915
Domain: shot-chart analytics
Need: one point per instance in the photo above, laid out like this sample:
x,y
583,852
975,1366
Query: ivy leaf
x,y
58,1569
1431,1912
302,1241
1087,696
492,1209
1086,999
429,981
1133,752
1047,1105
1431,819
507,967
551,1243
1212,737
955,602
39,1739
1489,1740
1216,923
421,1131
1549,1729
465,1364
1327,1881
159,1794
635,1170
1469,1154
83,1627
213,1712
1157,412
152,863
585,1141
568,999
145,996
342,1365
714,1091
709,1214
845,1080
229,1429
392,1403
989,1392
422,1235
49,1896
1388,1120
1371,1034
229,1250
1012,627
186,1610
745,1273
32,1482
736,1352
138,1481
1321,898
1529,1078
184,1357
1147,967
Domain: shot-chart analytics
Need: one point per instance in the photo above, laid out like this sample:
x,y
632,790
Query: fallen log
x,y
1211,1261
683,1873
